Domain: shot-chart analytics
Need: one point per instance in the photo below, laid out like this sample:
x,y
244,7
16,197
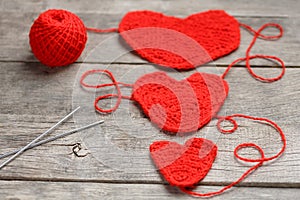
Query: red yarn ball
x,y
57,38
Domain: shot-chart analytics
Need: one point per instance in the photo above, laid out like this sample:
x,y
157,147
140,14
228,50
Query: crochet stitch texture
x,y
180,106
184,165
215,32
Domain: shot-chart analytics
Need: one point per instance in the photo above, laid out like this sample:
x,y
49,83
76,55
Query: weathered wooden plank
x,y
22,6
115,162
254,8
31,85
119,161
73,190
31,89
241,7
32,100
122,156
110,48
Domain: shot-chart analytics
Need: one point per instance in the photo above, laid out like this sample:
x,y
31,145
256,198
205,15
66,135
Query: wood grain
x,y
110,48
181,7
113,147
115,162
35,190
32,89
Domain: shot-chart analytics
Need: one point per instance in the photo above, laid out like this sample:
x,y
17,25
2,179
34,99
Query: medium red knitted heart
x,y
180,106
184,165
181,43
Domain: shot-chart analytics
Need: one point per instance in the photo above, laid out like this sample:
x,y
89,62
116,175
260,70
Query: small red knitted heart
x,y
181,43
180,106
184,165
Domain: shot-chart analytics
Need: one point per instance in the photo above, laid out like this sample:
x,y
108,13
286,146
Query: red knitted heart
x,y
184,165
181,43
180,106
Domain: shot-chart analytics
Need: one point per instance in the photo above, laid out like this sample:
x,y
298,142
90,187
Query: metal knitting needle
x,y
53,138
38,138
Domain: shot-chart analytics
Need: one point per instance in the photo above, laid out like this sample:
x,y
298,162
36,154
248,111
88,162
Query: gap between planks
x,y
242,184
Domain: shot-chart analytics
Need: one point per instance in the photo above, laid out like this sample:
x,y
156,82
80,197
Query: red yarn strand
x,y
114,83
239,147
273,124
262,36
258,34
210,194
96,30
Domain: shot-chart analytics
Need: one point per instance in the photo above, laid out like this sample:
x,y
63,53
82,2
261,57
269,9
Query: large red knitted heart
x,y
181,43
184,165
180,106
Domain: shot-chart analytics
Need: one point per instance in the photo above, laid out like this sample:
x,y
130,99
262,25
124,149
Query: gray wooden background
x,y
115,162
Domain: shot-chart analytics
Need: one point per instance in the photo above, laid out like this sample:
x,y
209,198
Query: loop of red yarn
x,y
258,34
273,124
251,145
259,161
229,119
57,38
114,83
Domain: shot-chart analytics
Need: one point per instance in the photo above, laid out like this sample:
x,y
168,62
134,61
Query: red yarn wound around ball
x,y
57,38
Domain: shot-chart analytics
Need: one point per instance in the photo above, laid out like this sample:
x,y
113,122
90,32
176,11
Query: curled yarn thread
x,y
258,34
174,106
114,83
58,37
259,161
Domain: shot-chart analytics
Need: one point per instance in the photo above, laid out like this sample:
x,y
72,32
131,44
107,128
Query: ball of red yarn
x,y
57,37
